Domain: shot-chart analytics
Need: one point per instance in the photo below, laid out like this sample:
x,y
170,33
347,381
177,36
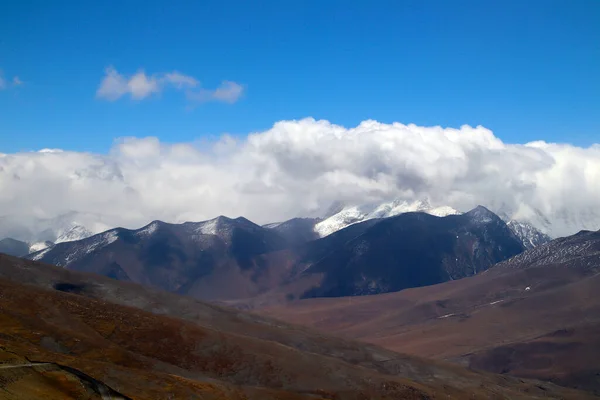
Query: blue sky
x,y
527,70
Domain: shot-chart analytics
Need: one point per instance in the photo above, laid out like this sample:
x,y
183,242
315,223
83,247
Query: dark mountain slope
x,y
225,259
14,247
296,231
414,249
207,260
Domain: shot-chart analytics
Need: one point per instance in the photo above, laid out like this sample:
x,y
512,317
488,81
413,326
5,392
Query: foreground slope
x,y
156,345
534,315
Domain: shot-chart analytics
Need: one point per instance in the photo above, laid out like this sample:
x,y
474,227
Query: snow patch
x,y
88,246
39,246
41,254
148,230
350,215
272,225
208,227
76,232
529,234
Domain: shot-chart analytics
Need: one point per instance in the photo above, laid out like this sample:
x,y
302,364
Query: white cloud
x,y
227,92
17,81
2,81
300,167
139,86
181,81
113,86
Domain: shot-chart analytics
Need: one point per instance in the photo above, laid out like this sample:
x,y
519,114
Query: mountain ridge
x,y
225,259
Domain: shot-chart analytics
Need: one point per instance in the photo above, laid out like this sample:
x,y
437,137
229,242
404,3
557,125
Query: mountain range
x,y
462,288
207,260
40,233
234,259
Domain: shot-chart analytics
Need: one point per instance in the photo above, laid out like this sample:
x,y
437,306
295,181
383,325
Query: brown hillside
x,y
142,355
501,320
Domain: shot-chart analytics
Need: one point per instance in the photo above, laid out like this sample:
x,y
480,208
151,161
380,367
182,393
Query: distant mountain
x,y
390,254
540,226
70,233
565,222
225,259
297,230
411,250
207,260
75,232
38,232
343,216
529,234
14,247
340,216
33,247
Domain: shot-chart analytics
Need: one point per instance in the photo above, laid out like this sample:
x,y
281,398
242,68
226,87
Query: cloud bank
x,y
140,86
299,168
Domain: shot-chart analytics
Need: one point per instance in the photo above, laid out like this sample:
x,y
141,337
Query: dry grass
x,y
216,353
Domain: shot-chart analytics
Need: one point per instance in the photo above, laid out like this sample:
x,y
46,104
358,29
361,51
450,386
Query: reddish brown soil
x,y
479,321
143,355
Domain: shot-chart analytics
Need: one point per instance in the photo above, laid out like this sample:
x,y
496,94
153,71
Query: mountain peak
x,y
149,229
482,215
349,215
334,208
75,232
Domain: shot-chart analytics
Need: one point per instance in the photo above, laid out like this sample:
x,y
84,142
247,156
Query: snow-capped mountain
x,y
529,234
296,230
565,222
33,247
199,232
76,232
208,259
41,233
553,223
343,216
407,250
